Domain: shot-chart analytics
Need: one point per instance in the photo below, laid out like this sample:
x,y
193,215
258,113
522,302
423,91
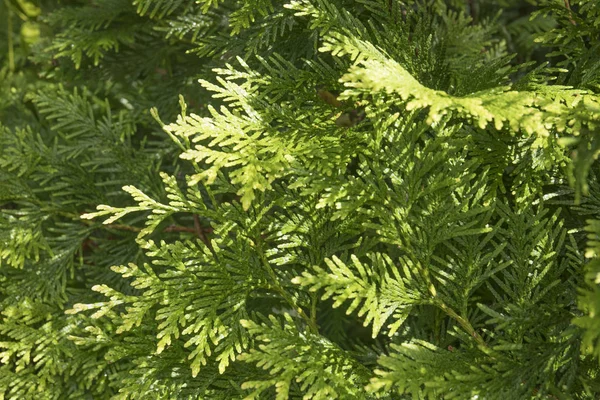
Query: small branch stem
x,y
275,285
200,232
313,308
176,228
122,227
472,11
11,49
197,229
568,7
463,322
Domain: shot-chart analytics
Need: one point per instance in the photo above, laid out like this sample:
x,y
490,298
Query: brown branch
x,y
197,229
472,11
201,232
568,7
171,228
175,228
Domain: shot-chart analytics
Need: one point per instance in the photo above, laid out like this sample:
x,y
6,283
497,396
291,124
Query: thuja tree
x,y
312,199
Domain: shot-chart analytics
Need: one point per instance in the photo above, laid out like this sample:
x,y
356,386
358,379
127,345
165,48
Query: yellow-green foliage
x,y
310,199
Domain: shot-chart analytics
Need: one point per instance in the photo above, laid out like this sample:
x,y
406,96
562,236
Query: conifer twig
x,y
123,227
177,228
275,285
472,11
463,322
200,232
197,229
313,307
170,228
9,28
568,7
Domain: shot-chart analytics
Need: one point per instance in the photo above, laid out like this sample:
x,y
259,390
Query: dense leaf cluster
x,y
309,199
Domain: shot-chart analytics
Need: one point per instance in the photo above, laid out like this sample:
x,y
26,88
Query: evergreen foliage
x,y
309,199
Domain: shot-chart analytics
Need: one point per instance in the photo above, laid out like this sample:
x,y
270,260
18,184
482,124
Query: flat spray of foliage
x,y
306,199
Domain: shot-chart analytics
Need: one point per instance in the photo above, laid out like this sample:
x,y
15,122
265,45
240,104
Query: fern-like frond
x,y
331,374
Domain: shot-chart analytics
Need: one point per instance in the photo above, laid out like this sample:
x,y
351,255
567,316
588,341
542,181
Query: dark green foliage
x,y
311,199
